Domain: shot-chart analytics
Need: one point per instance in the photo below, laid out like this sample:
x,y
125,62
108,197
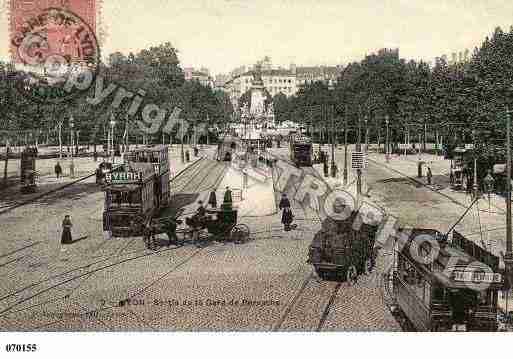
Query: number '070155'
x,y
17,348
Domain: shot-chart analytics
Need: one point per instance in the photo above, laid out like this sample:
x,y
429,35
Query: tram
x,y
28,170
129,194
137,189
450,291
227,147
458,167
339,249
301,150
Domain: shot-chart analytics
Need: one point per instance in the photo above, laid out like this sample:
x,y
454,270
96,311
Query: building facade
x,y
202,76
279,80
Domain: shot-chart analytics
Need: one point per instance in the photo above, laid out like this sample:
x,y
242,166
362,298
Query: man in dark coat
x,y
227,200
429,175
66,231
212,199
58,170
325,167
286,216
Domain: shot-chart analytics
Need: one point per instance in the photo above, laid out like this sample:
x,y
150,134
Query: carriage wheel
x,y
240,233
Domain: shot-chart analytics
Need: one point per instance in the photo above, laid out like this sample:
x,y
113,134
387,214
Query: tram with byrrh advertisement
x,y
301,150
137,189
455,290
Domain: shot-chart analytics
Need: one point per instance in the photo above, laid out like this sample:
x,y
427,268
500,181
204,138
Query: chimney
x,y
293,68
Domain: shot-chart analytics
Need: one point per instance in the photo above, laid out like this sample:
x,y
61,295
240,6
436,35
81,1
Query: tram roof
x,y
449,257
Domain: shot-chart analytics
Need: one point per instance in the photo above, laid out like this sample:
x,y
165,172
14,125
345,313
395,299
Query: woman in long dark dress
x,y
212,199
66,231
286,215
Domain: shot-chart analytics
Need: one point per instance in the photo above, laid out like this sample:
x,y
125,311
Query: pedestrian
x,y
58,170
66,231
170,230
451,177
95,156
325,167
286,216
212,199
429,175
72,169
187,156
227,200
352,275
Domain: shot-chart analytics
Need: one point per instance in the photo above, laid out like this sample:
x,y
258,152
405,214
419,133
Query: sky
x,y
224,34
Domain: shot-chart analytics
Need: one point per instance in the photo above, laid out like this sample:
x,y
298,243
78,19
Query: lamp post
x,y
489,182
72,165
112,124
475,163
387,150
508,258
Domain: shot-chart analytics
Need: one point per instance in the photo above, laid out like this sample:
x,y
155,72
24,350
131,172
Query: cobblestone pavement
x,y
222,286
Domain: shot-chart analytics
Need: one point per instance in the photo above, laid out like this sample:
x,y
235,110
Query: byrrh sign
x,y
123,177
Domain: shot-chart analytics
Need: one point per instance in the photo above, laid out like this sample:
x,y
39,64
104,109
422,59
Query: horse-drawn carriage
x,y
218,225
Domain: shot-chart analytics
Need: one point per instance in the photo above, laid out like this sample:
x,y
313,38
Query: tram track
x,y
311,287
86,275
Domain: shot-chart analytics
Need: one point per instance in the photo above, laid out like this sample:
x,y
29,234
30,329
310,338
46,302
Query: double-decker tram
x,y
442,286
137,189
129,195
301,150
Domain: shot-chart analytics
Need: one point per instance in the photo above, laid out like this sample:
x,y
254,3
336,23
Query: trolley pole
x,y
508,258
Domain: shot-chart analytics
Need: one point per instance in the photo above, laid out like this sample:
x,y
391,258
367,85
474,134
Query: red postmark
x,y
54,46
25,15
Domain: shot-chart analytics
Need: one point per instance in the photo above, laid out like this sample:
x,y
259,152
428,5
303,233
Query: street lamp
x,y
387,151
489,183
112,124
72,165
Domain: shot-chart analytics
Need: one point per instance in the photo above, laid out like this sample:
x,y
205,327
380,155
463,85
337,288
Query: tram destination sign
x,y
123,177
477,277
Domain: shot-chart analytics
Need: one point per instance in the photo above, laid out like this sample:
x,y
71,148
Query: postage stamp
x,y
53,44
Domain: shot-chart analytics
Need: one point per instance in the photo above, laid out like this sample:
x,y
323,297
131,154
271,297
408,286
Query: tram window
x,y
484,298
135,197
438,294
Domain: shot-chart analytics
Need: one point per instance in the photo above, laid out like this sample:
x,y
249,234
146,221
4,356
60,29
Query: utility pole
x,y
345,147
181,141
359,171
475,162
333,167
508,258
60,140
387,149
